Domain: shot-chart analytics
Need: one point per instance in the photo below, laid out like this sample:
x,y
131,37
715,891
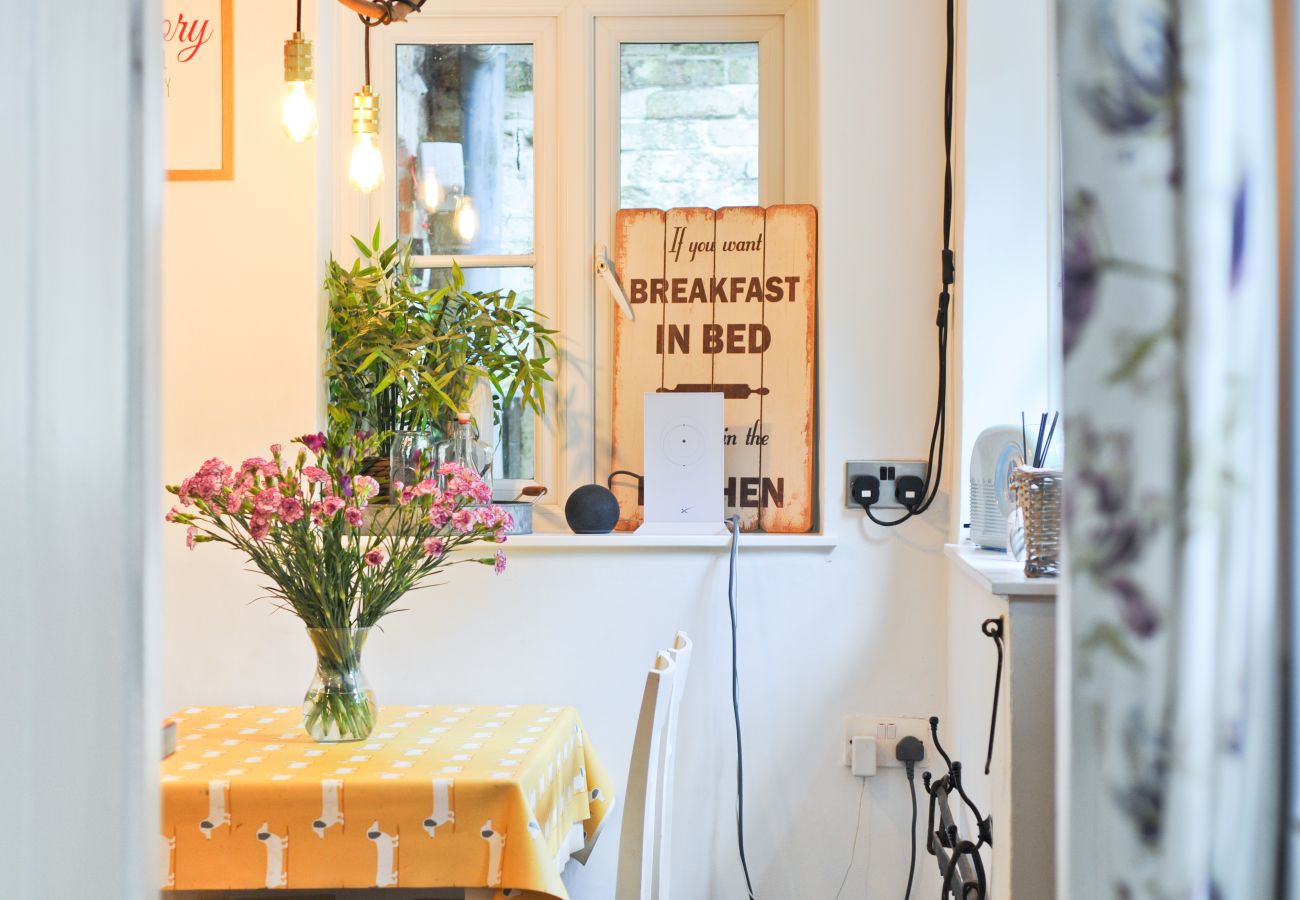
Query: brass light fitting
x,y
298,110
365,111
297,58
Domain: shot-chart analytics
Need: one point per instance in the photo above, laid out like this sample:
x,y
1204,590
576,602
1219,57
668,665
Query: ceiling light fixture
x,y
366,168
383,12
298,110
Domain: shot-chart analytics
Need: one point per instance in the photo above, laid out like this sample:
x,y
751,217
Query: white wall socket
x,y
888,731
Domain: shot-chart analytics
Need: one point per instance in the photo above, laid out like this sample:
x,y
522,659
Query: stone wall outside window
x,y
689,131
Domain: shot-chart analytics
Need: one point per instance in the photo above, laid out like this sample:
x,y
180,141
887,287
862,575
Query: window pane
x,y
465,148
689,125
513,441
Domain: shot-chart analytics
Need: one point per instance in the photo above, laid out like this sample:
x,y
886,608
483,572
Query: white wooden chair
x,y
644,848
680,652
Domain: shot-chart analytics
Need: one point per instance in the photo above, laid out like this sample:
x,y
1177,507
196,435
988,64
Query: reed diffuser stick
x,y
1038,444
1050,432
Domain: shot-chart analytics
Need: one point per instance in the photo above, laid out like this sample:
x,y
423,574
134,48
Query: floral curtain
x,y
1171,394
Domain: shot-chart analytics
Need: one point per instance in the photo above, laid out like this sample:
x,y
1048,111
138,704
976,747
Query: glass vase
x,y
410,453
339,705
464,448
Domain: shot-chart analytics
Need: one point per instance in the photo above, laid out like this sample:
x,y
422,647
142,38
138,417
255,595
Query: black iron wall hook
x,y
993,628
958,860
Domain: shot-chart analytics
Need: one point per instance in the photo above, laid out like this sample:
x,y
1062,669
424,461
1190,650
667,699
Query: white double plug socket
x,y
888,731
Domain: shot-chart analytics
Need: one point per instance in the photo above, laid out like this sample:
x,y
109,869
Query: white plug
x,y
862,755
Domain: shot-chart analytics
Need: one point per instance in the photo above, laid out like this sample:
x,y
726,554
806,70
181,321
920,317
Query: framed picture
x,y
199,89
726,303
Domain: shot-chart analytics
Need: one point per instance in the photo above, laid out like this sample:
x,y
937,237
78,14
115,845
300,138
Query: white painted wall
x,y
861,629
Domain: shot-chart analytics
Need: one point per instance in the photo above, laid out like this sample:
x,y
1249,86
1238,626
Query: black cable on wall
x,y
948,271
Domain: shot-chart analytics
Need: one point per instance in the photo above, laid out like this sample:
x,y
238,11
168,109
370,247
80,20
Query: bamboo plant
x,y
404,359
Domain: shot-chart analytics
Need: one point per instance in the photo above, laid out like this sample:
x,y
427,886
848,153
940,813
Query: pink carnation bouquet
x,y
303,521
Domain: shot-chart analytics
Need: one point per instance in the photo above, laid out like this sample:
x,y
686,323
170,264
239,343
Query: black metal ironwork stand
x,y
959,861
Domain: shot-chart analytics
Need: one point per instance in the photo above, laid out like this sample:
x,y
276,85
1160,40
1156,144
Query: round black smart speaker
x,y
591,509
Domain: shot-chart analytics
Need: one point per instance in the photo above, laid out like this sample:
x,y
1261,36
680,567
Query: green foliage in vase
x,y
403,359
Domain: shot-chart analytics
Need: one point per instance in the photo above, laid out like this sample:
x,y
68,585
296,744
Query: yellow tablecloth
x,y
438,796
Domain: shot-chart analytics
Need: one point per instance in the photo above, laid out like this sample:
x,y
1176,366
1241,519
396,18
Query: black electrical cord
x,y
299,28
939,433
609,482
911,866
735,706
734,523
367,51
993,628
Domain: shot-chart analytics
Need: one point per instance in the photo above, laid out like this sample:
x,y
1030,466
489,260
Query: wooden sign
x,y
198,89
725,301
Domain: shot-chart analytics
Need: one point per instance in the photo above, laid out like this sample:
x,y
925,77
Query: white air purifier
x,y
997,453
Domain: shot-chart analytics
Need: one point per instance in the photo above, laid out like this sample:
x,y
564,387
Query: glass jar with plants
x,y
301,521
405,360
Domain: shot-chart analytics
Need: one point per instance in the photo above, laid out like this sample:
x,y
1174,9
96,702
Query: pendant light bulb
x,y
298,110
466,219
431,190
366,169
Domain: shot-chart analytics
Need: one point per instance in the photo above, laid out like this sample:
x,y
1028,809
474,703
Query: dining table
x,y
494,800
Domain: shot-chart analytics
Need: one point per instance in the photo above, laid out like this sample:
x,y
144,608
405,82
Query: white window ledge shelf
x,y
997,573
628,541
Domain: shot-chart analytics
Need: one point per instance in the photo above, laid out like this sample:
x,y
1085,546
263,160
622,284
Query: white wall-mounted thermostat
x,y
684,478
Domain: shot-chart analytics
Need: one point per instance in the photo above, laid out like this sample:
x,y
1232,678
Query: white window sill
x,y
997,573
628,541
547,540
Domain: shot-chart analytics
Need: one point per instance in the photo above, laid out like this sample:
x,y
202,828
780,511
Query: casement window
x,y
512,133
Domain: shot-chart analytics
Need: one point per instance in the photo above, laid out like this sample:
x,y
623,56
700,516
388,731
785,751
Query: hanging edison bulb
x,y
466,219
430,190
298,110
366,169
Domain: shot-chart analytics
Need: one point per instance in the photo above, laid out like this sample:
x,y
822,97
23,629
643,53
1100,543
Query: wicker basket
x,y
1038,499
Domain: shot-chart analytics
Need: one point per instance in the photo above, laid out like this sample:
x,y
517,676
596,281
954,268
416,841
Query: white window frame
x,y
381,206
611,34
576,177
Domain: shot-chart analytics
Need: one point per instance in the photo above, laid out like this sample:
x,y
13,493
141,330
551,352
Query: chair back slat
x,y
681,656
636,853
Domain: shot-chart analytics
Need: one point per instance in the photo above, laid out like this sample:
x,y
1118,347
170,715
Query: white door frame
x,y
81,173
